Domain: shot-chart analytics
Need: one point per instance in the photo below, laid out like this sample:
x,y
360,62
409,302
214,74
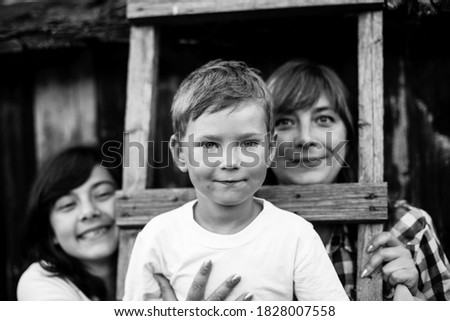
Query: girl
x,y
70,237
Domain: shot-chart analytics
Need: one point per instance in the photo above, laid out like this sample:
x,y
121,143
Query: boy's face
x,y
226,153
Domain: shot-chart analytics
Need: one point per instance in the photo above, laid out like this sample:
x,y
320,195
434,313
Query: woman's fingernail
x,y
207,264
236,278
248,297
364,273
370,248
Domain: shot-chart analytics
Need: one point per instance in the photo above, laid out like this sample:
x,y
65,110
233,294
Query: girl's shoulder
x,y
39,284
36,270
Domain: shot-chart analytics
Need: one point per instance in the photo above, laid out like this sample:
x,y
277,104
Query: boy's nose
x,y
231,158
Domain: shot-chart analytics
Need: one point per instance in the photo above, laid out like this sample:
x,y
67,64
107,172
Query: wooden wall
x,y
64,101
48,101
43,92
17,163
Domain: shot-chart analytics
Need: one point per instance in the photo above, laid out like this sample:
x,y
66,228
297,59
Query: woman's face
x,y
83,220
311,145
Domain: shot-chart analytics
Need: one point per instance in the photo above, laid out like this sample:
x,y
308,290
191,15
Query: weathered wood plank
x,y
371,111
161,8
141,107
61,24
64,106
335,202
370,79
367,289
139,126
127,238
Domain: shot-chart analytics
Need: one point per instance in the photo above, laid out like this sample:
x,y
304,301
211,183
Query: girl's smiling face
x,y
83,220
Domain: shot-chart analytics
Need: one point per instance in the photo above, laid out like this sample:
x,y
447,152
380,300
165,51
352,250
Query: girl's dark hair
x,y
57,177
298,84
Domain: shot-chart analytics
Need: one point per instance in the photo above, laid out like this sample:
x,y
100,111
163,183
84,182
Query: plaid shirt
x,y
414,228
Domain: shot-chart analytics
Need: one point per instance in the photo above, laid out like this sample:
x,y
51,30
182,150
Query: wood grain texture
x,y
139,126
318,203
370,75
41,25
127,238
370,288
141,107
64,106
162,8
371,108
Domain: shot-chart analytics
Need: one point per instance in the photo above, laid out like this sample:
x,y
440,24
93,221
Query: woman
x,y
316,144
70,236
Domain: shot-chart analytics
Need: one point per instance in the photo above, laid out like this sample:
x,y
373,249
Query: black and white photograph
x,y
225,150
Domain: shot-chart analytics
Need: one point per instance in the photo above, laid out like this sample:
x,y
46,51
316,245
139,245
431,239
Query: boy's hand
x,y
197,290
398,268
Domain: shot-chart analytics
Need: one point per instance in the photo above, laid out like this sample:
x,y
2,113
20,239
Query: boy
x,y
222,117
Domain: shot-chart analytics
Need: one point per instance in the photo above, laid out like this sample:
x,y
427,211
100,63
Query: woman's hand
x,y
402,293
398,264
197,290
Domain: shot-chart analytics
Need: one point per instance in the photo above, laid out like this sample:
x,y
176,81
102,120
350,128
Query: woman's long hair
x,y
58,176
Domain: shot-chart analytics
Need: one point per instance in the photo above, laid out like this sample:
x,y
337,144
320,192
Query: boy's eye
x,y
283,122
250,143
209,145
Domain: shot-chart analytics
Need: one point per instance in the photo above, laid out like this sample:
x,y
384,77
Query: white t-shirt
x,y
37,284
276,255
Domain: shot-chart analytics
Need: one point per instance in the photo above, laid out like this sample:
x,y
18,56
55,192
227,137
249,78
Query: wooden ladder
x,y
364,202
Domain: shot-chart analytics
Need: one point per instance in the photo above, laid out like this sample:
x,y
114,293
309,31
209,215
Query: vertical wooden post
x,y
140,118
371,111
140,110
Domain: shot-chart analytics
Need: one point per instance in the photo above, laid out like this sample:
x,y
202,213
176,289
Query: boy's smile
x,y
226,154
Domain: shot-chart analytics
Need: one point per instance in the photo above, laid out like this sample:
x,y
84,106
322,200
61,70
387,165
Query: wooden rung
x,y
354,202
157,8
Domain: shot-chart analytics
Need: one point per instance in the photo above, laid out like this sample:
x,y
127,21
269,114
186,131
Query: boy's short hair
x,y
218,85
